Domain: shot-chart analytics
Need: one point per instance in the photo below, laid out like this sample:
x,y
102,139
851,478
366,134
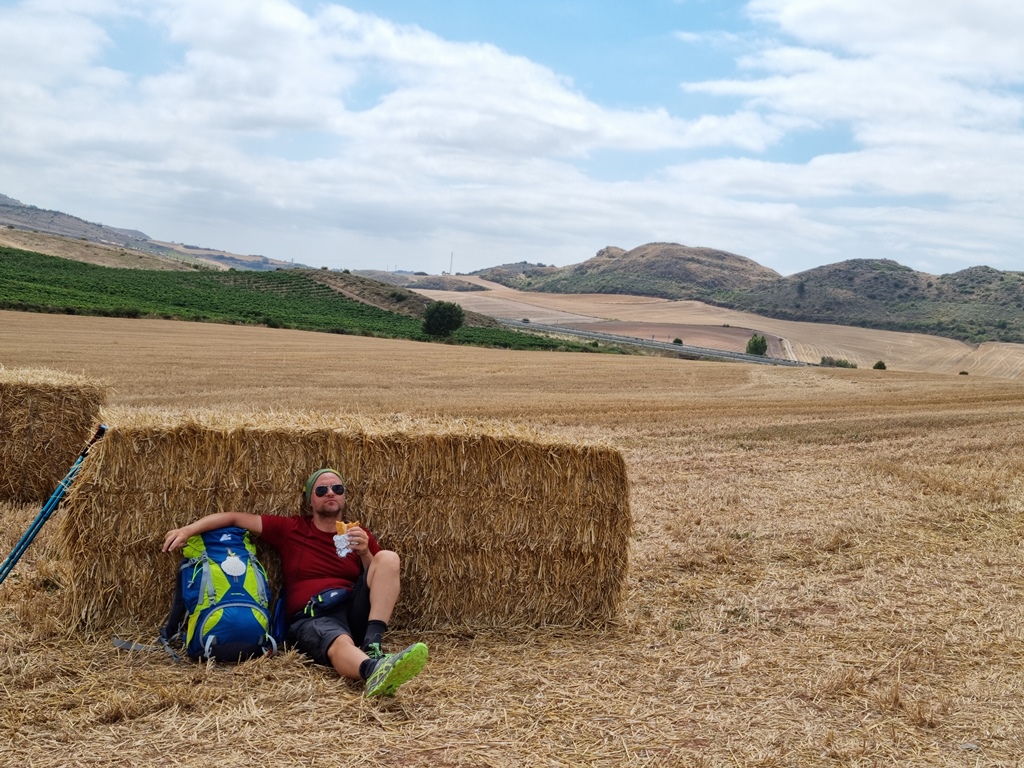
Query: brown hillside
x,y
706,267
92,253
975,305
392,298
223,259
665,270
704,325
419,280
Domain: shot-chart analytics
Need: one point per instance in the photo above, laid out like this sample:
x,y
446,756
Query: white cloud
x,y
40,47
716,39
977,39
268,129
931,98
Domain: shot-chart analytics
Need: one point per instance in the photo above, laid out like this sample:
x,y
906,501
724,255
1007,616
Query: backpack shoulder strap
x,y
171,629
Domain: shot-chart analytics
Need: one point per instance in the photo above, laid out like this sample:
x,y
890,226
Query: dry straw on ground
x,y
497,526
46,418
826,569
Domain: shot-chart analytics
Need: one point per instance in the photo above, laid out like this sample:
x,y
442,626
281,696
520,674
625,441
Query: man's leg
x,y
385,673
383,676
345,657
327,640
384,582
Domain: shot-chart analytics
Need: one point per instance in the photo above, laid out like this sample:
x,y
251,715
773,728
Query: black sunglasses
x,y
321,490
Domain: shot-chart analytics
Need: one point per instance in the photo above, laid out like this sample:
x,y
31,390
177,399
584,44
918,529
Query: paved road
x,y
682,349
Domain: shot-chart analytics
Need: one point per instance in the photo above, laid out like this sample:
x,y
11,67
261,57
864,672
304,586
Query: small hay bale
x,y
46,419
496,527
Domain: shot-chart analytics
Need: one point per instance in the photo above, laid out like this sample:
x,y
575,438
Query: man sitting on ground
x,y
340,589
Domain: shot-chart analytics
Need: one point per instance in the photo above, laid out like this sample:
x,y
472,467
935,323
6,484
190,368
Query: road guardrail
x,y
681,349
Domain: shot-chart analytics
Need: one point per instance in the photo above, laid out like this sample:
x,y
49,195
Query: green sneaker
x,y
396,669
373,650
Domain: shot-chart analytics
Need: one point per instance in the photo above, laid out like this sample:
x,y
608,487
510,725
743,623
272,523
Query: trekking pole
x,y
48,508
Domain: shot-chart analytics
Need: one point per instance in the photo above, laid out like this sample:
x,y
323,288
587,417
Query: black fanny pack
x,y
325,602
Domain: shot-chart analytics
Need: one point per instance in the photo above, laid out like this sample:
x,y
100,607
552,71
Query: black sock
x,y
374,632
366,668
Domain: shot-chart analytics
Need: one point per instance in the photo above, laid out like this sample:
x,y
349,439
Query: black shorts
x,y
313,636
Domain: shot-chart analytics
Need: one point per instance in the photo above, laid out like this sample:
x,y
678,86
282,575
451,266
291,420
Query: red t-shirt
x,y
309,558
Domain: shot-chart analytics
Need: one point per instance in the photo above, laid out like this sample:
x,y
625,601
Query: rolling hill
x,y
974,305
663,270
303,299
17,216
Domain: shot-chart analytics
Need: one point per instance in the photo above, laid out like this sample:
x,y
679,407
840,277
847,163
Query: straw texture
x,y
496,527
46,418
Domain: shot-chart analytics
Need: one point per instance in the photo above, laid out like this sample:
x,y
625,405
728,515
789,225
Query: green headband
x,y
308,488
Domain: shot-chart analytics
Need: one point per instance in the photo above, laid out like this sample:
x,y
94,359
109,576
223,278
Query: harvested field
x,y
826,568
727,338
643,316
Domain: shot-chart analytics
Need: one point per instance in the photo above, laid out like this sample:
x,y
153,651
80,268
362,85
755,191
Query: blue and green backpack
x,y
221,599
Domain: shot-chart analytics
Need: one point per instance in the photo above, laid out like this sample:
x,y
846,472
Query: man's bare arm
x,y
176,539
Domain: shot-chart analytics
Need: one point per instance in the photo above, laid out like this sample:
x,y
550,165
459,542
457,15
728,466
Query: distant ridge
x,y
975,305
15,214
665,270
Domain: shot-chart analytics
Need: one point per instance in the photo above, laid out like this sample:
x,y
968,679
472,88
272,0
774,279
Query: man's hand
x,y
358,541
176,539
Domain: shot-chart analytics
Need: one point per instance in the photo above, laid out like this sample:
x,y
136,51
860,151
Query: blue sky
x,y
411,135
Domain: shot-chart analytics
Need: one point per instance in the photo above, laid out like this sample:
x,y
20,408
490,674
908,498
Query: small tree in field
x,y
758,345
442,318
879,366
836,362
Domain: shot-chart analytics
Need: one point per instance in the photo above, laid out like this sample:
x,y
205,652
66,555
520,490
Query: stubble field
x,y
826,570
703,325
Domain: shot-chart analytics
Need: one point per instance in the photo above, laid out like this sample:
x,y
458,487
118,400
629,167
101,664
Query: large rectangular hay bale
x,y
496,527
46,418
